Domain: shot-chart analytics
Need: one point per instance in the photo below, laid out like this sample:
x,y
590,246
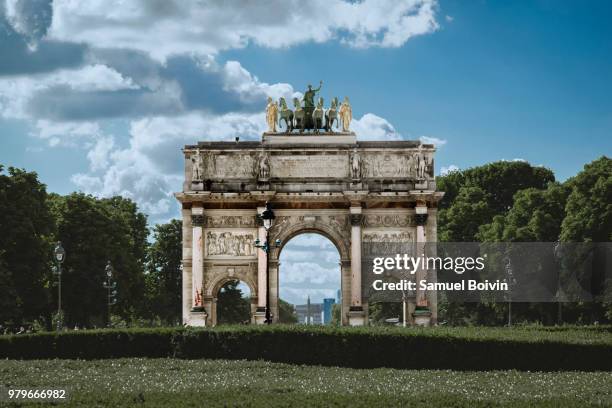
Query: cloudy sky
x,y
100,95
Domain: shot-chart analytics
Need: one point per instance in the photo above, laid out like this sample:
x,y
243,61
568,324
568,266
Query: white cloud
x,y
308,272
98,155
372,127
67,133
175,27
432,140
16,92
448,169
449,19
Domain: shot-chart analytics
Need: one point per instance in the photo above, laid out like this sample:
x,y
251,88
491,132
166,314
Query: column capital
x,y
420,219
356,219
197,220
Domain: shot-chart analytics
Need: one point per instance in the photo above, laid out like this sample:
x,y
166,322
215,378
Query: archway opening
x,y
310,281
234,303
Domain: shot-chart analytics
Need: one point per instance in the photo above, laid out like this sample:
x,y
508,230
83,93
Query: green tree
x,y
589,219
164,275
589,205
232,306
286,312
536,216
469,211
473,197
25,250
95,231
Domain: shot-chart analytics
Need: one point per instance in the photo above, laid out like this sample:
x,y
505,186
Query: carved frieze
x,y
413,165
225,243
388,237
391,220
229,221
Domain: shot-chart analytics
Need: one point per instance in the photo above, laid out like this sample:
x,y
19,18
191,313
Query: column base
x,y
356,316
422,317
197,319
260,315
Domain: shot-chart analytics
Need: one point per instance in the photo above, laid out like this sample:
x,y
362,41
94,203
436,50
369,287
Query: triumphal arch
x,y
316,179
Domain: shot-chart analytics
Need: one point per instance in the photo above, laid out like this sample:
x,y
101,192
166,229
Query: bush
x,y
473,349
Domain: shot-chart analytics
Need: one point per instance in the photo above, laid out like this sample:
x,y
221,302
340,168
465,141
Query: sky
x,y
99,96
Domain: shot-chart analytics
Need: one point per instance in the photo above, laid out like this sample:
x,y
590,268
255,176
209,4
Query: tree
x,y
232,307
475,196
95,231
286,312
469,211
589,219
536,216
25,249
589,206
164,275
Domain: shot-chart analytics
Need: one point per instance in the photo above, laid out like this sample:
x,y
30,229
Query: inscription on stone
x,y
234,166
309,166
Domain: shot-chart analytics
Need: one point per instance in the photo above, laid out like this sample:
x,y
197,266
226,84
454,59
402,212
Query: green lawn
x,y
175,382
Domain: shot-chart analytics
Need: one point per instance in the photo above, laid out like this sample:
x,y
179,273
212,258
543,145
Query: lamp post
x,y
267,218
59,254
110,286
511,284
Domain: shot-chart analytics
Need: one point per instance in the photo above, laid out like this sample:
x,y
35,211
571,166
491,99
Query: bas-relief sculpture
x,y
197,166
414,165
355,165
264,166
228,243
410,165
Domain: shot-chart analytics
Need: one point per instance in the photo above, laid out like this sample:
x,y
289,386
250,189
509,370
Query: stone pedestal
x,y
422,317
356,317
259,316
197,319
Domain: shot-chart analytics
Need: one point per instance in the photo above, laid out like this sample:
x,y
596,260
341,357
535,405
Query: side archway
x,y
215,288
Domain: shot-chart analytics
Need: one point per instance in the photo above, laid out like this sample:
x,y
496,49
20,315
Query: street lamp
x,y
59,254
267,218
111,287
511,284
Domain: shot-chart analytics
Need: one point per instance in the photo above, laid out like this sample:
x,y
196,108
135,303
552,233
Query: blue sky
x,y
99,97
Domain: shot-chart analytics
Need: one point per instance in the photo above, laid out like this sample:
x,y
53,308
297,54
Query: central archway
x,y
309,280
331,227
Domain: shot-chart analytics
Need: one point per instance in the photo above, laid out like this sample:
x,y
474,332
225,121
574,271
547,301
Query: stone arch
x,y
217,283
339,237
341,241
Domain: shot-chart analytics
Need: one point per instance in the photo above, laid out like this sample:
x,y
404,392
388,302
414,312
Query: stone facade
x,y
349,191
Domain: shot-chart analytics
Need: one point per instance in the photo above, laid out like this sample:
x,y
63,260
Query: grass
x,y
176,382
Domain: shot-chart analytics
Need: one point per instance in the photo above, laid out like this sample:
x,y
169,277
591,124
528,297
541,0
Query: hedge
x,y
345,347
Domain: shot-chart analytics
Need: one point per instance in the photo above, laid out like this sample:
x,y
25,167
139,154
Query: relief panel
x,y
224,243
